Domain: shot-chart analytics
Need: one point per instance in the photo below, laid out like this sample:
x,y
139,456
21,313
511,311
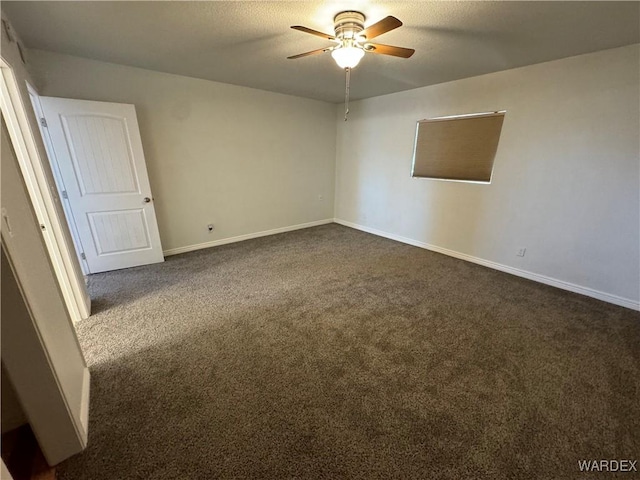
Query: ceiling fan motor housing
x,y
348,25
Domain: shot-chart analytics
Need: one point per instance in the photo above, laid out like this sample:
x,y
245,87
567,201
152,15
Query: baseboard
x,y
84,405
241,238
554,282
13,421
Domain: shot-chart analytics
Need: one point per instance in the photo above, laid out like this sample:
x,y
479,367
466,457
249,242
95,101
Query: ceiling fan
x,y
353,39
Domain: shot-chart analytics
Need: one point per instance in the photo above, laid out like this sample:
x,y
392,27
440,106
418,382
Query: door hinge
x,y
43,122
83,256
64,194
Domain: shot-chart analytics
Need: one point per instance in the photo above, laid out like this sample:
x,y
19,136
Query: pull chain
x,y
346,93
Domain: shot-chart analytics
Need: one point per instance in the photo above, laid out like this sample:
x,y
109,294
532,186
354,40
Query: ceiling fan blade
x,y
313,32
389,50
312,52
383,26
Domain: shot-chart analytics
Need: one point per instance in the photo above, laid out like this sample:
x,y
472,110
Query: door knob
x,y
147,199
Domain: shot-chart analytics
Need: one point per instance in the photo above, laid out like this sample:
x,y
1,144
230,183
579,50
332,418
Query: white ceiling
x,y
246,43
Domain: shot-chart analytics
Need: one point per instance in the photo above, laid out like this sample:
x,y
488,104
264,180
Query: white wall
x,y
246,160
40,350
565,183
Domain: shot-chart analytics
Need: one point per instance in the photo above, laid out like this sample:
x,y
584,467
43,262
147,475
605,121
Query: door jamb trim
x,y
13,109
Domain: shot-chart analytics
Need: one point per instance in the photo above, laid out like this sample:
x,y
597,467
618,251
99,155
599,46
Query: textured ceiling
x,y
246,43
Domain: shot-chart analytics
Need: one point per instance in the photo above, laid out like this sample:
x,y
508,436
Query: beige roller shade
x,y
457,148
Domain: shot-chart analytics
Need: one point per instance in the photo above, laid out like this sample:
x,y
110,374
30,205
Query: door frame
x,y
73,290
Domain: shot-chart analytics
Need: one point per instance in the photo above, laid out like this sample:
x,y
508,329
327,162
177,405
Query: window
x,y
458,148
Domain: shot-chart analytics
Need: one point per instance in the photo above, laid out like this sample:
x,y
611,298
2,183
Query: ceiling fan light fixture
x,y
347,57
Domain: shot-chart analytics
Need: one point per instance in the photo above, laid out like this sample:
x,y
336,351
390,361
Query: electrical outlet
x,y
521,252
210,227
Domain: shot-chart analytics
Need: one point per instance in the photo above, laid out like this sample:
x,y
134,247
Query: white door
x,y
99,153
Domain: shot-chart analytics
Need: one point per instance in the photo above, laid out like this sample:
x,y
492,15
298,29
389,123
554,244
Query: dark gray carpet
x,y
331,353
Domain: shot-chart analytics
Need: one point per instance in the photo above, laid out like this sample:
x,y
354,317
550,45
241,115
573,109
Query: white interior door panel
x,y
99,152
